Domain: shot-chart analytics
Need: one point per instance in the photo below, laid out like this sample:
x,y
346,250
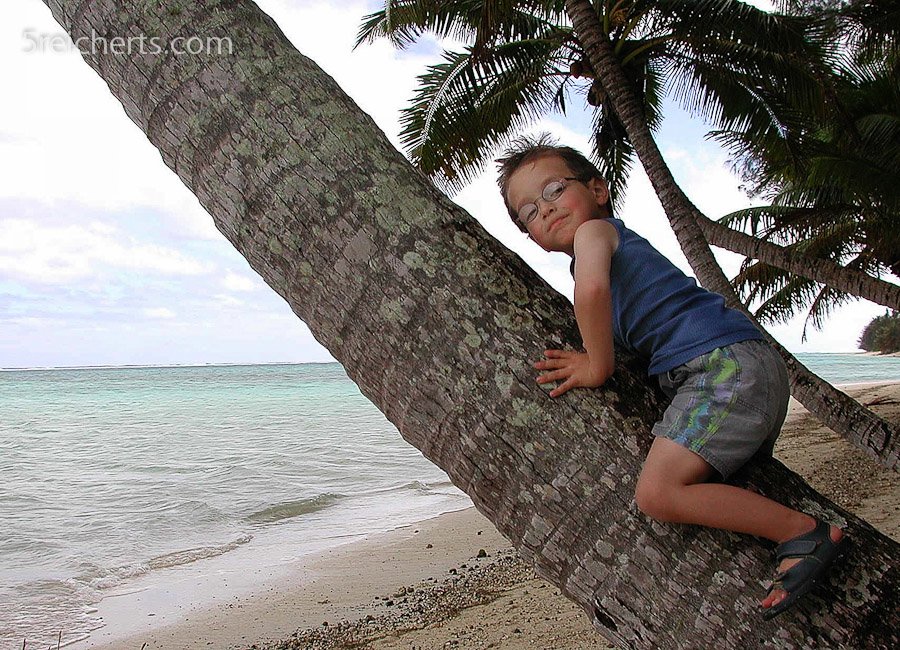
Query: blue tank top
x,y
661,314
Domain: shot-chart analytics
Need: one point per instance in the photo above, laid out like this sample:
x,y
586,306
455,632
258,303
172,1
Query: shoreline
x,y
423,586
170,593
332,585
864,384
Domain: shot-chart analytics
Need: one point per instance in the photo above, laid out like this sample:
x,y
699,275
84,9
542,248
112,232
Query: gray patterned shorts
x,y
727,405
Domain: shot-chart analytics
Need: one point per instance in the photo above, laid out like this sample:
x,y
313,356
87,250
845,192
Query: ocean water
x,y
852,368
108,474
111,474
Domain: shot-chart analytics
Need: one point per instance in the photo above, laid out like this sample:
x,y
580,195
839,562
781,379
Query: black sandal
x,y
816,552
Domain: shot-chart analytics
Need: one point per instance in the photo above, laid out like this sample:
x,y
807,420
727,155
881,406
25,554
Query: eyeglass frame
x,y
537,209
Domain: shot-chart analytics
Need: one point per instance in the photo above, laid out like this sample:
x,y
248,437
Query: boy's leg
x,y
672,487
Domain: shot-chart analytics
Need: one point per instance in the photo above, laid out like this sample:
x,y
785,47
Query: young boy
x,y
729,388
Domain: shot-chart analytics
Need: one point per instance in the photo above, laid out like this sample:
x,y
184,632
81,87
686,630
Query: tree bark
x,y
860,426
438,324
851,281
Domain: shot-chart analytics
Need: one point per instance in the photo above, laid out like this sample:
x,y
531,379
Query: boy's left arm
x,y
595,243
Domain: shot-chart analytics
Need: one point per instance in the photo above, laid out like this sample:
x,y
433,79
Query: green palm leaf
x,y
404,21
467,106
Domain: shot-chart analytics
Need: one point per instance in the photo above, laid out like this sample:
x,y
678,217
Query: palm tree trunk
x,y
875,436
437,323
851,281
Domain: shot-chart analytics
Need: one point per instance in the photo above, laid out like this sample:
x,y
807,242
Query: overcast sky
x,y
107,259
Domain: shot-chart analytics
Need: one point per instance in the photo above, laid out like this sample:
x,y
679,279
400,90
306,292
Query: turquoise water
x,y
852,368
110,474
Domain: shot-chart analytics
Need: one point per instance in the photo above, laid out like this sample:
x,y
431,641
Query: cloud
x,y
235,282
224,300
159,312
34,252
85,150
32,322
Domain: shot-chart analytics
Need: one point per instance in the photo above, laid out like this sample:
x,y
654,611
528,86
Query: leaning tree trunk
x,y
841,278
860,426
437,323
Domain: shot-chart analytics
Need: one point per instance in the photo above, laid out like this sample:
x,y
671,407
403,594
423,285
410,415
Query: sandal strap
x,y
792,579
805,544
816,551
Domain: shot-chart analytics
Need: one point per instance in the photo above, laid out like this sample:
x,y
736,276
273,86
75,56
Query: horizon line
x,y
261,363
167,365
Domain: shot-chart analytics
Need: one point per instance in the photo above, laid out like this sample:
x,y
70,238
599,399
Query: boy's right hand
x,y
574,369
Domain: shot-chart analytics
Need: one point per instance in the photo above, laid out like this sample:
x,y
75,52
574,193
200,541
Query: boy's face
x,y
554,226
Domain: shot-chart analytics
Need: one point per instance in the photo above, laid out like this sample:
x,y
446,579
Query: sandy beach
x,y
454,581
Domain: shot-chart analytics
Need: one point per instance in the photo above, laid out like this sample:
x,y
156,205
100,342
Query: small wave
x,y
288,509
193,554
436,487
415,486
108,578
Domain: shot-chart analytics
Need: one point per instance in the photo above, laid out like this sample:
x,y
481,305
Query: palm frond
x,y
785,302
613,153
404,21
783,223
872,28
825,302
482,22
467,106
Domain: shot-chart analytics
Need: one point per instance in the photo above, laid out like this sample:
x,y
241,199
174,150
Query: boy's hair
x,y
526,149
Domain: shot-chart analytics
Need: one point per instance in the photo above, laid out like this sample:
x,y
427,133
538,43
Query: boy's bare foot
x,y
810,548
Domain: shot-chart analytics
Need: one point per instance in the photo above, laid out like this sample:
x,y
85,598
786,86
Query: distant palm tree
x,y
725,59
832,184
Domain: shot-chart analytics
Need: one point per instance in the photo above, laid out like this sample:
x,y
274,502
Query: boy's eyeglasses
x,y
552,191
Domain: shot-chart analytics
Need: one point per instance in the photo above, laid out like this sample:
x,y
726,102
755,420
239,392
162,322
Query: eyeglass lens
x,y
552,191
